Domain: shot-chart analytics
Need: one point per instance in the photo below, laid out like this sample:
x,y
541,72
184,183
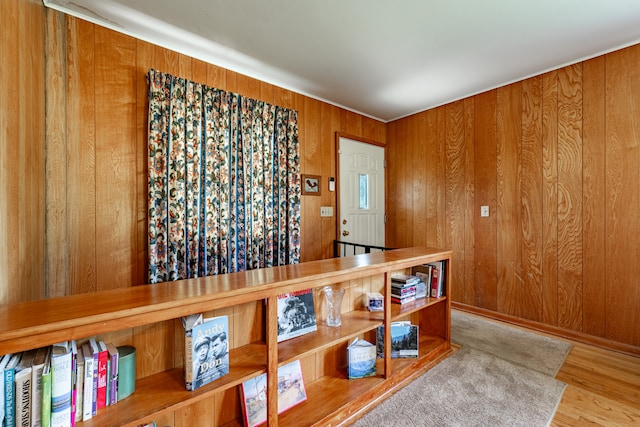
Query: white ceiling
x,y
381,58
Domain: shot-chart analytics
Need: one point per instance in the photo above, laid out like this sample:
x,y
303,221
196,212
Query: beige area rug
x,y
480,388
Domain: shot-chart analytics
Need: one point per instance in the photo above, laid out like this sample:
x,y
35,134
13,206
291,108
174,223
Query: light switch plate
x,y
326,211
484,211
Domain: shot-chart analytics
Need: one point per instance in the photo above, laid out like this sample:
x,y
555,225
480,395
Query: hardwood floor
x,y
603,388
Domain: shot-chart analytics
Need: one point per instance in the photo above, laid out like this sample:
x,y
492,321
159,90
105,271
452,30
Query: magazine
x,y
296,314
404,340
291,391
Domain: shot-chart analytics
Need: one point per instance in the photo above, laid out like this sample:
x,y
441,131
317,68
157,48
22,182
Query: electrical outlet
x,y
484,211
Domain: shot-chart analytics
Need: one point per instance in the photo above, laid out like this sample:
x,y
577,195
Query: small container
x,y
374,301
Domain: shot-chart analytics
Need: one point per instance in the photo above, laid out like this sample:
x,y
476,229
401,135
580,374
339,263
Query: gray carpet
x,y
477,388
517,346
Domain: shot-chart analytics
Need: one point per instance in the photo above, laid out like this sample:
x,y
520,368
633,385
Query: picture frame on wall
x,y
311,185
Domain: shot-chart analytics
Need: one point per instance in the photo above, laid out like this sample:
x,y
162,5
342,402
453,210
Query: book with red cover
x,y
101,390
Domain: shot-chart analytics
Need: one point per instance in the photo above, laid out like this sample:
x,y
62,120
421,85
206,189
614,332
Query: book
x,y
4,360
361,359
405,279
46,390
112,351
61,379
87,397
100,348
74,380
78,386
291,391
23,378
404,340
36,385
296,314
437,279
206,350
9,390
93,345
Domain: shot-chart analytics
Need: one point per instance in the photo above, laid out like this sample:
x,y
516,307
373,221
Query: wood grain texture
x,y
454,190
81,157
531,201
509,141
56,159
22,152
468,261
570,197
550,197
594,218
485,188
622,197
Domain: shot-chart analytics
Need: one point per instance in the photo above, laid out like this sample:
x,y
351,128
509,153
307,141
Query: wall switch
x,y
326,211
484,211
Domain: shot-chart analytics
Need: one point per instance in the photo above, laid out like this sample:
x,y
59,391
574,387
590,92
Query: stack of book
x,y
403,288
58,385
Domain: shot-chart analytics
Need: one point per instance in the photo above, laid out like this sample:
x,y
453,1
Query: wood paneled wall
x,y
557,159
22,151
102,158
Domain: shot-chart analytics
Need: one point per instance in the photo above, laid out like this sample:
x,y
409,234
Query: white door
x,y
361,187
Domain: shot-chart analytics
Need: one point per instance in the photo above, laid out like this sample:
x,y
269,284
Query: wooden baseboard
x,y
552,330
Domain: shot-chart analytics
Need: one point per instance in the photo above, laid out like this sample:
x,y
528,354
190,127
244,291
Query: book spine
x,y
9,387
61,390
94,381
87,398
36,397
188,360
23,397
74,383
79,388
114,378
102,380
46,399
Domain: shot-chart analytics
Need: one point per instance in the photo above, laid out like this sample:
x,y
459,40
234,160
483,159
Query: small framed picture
x,y
311,185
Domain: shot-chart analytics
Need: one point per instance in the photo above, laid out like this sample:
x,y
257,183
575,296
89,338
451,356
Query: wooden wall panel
x,y
429,140
420,187
550,198
623,198
469,198
22,155
454,191
508,123
81,156
531,191
594,198
570,197
115,100
484,253
56,163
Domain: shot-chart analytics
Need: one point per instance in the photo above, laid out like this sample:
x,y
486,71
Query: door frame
x,y
337,150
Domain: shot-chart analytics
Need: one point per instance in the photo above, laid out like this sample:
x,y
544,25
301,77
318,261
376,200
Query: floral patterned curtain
x,y
224,181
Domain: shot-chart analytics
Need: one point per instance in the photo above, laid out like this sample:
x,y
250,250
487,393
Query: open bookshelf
x,y
331,397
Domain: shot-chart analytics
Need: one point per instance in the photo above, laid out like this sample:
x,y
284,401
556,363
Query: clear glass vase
x,y
333,298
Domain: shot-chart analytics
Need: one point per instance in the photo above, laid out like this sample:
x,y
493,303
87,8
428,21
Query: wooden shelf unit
x,y
332,398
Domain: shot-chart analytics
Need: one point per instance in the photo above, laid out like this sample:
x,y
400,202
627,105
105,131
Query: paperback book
x,y
206,349
296,314
291,391
404,340
361,359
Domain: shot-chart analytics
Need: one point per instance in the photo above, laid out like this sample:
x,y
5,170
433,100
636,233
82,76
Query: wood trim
x,y
553,330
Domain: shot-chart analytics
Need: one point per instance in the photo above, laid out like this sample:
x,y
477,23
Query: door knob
x,y
345,233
